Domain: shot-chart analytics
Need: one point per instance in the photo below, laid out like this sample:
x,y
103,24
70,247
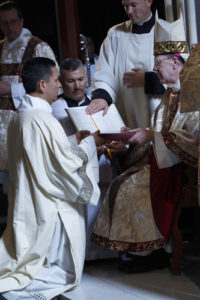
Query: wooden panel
x,y
68,28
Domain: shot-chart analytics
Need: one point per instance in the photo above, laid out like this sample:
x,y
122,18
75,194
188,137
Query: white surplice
x,y
43,246
120,52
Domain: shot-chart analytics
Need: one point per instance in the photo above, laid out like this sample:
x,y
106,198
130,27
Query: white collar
x,y
30,103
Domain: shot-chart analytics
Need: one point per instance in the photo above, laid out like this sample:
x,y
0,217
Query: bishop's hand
x,y
97,105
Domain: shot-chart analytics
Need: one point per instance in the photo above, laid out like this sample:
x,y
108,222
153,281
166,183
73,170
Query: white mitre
x,y
170,37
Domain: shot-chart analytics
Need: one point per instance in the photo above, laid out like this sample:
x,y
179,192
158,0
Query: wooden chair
x,y
188,198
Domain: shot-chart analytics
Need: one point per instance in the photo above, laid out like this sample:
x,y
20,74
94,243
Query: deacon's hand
x,y
135,78
97,105
141,136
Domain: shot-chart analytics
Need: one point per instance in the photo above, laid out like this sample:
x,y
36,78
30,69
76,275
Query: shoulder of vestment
x,y
125,27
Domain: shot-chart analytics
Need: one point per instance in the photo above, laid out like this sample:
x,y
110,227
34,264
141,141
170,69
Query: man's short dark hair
x,y
8,5
70,64
36,69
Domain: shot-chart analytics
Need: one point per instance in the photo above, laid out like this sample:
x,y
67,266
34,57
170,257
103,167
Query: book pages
x,y
111,122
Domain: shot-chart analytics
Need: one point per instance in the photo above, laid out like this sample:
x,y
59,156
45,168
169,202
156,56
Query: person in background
x,y
124,73
73,80
43,245
144,198
18,46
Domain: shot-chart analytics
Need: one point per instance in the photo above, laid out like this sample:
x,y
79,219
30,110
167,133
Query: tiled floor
x,y
102,281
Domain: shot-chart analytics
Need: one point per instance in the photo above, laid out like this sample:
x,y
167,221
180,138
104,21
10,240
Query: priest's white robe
x,y
120,52
49,179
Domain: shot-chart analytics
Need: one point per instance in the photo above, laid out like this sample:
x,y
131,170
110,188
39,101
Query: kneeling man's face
x,y
52,86
74,84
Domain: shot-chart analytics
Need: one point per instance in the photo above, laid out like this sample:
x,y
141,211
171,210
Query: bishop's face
x,y
166,68
137,10
10,24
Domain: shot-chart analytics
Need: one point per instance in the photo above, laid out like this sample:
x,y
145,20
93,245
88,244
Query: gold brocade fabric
x,y
132,226
190,82
190,89
179,130
125,221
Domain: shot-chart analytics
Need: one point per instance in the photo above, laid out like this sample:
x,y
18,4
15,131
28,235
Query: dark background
x,y
95,18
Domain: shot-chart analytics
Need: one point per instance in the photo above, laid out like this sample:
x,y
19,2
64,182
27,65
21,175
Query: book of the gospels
x,y
110,122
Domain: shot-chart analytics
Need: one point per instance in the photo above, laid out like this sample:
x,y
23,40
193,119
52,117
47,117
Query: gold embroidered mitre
x,y
170,37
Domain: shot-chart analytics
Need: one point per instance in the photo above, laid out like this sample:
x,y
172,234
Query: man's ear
x,y
41,85
149,3
176,61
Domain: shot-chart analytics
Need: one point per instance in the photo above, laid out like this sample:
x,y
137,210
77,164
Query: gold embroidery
x,y
170,47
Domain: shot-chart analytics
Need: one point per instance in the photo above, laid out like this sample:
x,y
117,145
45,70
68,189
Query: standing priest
x,y
124,73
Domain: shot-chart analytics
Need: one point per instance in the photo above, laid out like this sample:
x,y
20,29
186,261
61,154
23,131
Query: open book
x,y
111,122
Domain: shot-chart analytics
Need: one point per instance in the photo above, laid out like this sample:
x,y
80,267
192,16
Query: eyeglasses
x,y
157,62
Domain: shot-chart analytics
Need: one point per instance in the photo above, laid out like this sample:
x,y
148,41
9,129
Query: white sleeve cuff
x,y
165,158
73,140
